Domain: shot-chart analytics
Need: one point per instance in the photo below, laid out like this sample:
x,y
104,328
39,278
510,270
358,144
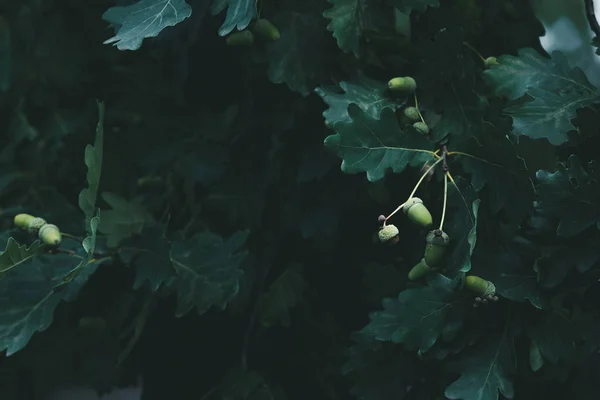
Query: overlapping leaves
x,y
239,14
346,23
554,92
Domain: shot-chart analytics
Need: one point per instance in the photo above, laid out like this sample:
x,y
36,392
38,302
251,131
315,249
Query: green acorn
x,y
405,84
437,242
422,127
417,212
419,270
35,225
412,114
50,235
389,234
488,62
266,29
243,38
480,286
22,220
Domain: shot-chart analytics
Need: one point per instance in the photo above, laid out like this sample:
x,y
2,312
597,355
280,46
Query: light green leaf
x,y
346,23
208,270
239,14
283,294
486,369
369,94
418,316
571,196
144,19
555,92
125,219
93,161
369,145
27,295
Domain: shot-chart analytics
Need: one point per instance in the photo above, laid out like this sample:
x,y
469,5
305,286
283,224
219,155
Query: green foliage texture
x,y
218,201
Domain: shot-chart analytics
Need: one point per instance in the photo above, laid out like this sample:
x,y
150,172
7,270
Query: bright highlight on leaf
x,y
239,14
144,19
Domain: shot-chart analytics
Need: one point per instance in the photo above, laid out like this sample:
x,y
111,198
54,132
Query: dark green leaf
x,y
5,55
366,144
208,270
486,369
419,5
553,267
283,294
367,93
124,219
556,89
144,19
417,317
570,195
15,254
554,334
346,23
239,14
93,161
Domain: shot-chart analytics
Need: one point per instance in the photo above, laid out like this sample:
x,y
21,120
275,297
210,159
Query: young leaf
x,y
570,195
283,294
239,14
417,317
208,270
369,94
93,161
366,144
486,369
144,19
346,23
24,312
150,254
124,219
555,90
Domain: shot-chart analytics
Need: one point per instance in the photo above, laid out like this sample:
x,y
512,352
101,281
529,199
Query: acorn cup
x,y
263,27
417,212
389,234
402,84
243,38
412,114
437,243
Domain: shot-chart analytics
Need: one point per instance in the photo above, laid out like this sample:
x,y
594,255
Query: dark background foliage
x,y
235,260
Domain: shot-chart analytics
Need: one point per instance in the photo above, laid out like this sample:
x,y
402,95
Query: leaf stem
x,y
415,189
417,107
445,201
474,51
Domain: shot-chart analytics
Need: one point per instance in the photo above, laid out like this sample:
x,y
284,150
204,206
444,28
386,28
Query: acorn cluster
x,y
262,28
411,115
49,234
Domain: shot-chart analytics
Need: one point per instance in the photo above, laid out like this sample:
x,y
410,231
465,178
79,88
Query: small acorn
x,y
243,38
35,225
422,127
389,234
488,62
50,234
480,286
412,114
405,84
266,29
417,212
437,242
22,220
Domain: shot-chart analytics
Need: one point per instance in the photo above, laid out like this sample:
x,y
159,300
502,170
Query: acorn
x,y
243,38
50,235
405,84
419,270
35,225
422,127
480,286
488,62
437,242
22,220
412,114
417,212
266,29
389,234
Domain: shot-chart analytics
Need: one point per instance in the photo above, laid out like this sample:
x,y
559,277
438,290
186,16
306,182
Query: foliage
x,y
218,198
